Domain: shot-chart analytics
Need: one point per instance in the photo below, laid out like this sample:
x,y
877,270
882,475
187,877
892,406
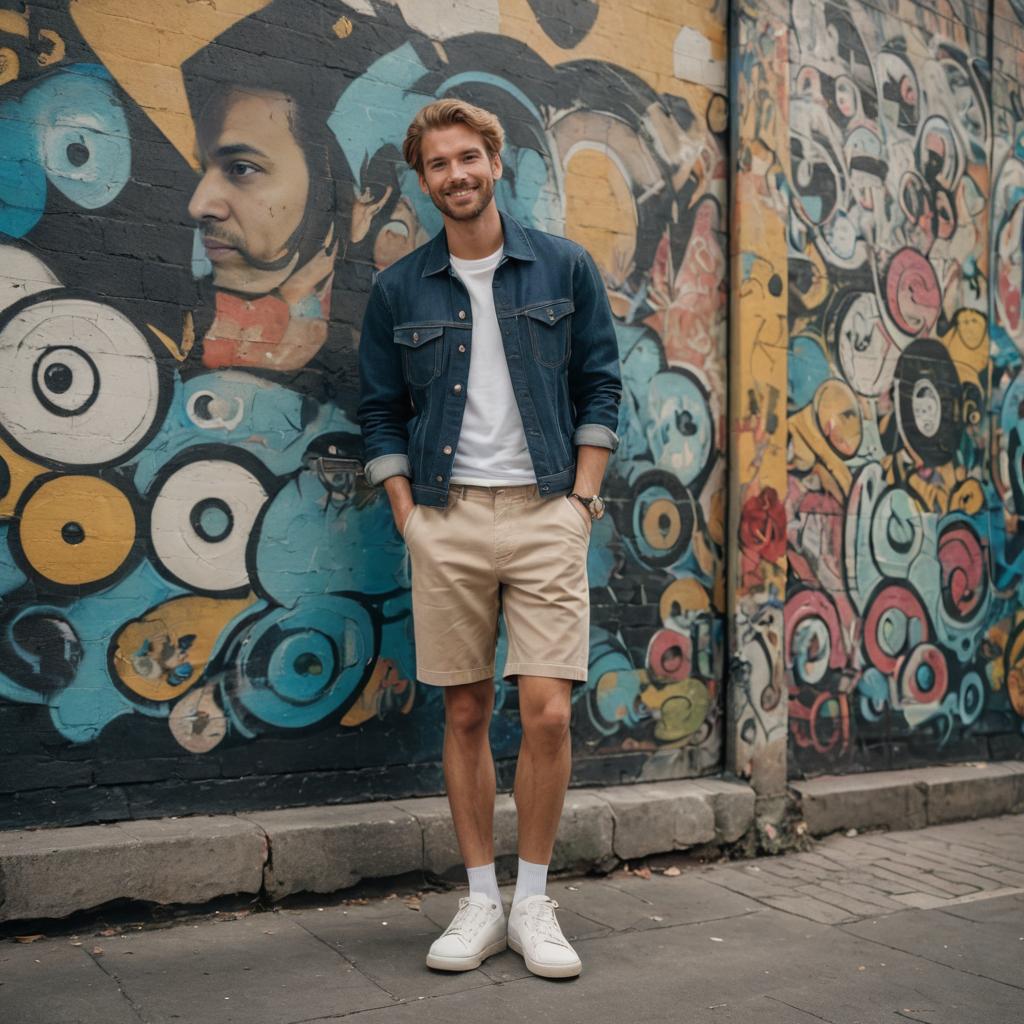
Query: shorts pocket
x,y
408,522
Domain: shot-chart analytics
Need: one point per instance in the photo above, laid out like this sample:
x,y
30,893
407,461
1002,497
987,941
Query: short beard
x,y
484,195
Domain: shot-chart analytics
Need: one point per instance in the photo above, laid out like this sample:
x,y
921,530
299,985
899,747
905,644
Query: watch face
x,y
597,507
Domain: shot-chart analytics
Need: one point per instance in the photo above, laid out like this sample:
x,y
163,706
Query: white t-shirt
x,y
492,448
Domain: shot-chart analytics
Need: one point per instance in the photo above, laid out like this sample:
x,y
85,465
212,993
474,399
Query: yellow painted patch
x,y
143,45
182,631
18,473
600,213
77,529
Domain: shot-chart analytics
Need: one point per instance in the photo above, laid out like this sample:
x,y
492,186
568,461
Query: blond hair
x,y
443,114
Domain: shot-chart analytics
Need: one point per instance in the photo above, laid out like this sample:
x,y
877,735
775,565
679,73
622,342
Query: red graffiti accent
x,y
690,301
763,526
813,604
895,623
669,655
265,332
924,677
912,292
824,725
962,559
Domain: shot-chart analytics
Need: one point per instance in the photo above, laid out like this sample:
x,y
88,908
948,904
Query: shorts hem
x,y
456,678
549,669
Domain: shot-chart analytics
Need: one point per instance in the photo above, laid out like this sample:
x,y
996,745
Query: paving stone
x,y
812,909
388,942
49,981
750,881
324,849
829,894
1007,909
686,899
981,949
263,969
54,872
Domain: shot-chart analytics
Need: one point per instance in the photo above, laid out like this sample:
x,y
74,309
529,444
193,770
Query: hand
x,y
402,517
581,509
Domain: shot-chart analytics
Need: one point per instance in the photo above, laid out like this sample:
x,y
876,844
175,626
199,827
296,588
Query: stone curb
x,y
912,798
55,872
51,873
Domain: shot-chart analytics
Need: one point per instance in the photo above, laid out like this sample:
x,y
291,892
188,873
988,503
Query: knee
x,y
467,715
547,723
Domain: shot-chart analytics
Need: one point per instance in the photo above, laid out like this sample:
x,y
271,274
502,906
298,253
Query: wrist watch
x,y
594,505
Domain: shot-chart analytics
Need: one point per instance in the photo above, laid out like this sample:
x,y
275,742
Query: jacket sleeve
x,y
595,383
384,405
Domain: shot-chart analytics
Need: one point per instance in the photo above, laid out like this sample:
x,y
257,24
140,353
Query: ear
x,y
497,166
423,184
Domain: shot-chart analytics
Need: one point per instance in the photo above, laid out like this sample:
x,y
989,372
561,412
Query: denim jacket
x,y
417,339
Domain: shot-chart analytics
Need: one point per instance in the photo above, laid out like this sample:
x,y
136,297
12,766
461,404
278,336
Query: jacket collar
x,y
517,246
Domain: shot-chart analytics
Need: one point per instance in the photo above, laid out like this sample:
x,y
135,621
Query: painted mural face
x,y
458,174
251,199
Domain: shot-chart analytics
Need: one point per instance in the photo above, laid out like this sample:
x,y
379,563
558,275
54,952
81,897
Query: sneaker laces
x,y
542,918
469,919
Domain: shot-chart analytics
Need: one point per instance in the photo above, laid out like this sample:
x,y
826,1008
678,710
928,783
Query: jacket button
x,y
415,336
462,348
447,449
457,389
462,314
439,479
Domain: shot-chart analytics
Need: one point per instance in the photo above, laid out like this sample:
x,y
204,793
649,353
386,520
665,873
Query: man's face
x,y
457,173
252,195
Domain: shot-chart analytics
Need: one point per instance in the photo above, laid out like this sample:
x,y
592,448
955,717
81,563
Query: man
x,y
490,392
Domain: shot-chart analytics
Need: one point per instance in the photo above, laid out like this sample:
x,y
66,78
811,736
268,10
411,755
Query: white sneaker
x,y
477,931
534,933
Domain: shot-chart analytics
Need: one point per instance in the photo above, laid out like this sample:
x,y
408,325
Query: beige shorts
x,y
499,548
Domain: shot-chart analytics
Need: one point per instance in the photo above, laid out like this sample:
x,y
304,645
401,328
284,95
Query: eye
x,y
242,169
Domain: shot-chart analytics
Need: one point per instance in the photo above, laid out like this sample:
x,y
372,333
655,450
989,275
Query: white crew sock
x,y
484,882
532,880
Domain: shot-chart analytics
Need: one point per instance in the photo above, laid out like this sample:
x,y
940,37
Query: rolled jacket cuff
x,y
596,435
379,469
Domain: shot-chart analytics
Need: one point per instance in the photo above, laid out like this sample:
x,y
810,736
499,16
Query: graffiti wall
x,y
202,605
902,234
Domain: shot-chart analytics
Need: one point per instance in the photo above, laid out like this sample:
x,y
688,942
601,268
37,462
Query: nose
x,y
207,202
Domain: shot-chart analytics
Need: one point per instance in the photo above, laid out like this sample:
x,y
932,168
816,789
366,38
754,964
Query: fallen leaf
x,y
644,873
715,938
673,872
108,932
28,938
96,951
656,918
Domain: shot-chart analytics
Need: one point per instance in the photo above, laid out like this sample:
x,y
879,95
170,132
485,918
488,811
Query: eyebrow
x,y
237,149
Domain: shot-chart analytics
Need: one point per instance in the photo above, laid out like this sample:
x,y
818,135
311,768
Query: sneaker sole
x,y
547,970
465,963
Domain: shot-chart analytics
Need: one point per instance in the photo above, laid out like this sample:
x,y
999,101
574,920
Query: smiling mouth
x,y
461,193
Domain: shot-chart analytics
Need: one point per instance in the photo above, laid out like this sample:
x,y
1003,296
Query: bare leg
x,y
544,765
469,768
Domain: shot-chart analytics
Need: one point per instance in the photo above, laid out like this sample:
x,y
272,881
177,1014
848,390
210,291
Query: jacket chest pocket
x,y
549,331
422,350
